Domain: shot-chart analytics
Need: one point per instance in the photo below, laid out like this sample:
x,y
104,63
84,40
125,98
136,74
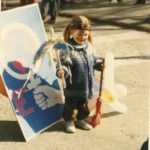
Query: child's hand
x,y
60,73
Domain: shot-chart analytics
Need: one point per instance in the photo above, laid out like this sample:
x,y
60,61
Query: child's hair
x,y
77,23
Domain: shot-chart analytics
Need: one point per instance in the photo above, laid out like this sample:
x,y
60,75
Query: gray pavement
x,y
125,14
117,131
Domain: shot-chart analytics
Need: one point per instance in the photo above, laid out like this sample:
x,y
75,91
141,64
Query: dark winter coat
x,y
83,62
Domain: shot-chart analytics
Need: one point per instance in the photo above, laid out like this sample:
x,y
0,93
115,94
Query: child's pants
x,y
75,109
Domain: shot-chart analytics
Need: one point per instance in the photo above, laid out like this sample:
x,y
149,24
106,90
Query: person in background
x,y
145,145
140,1
26,2
79,86
52,10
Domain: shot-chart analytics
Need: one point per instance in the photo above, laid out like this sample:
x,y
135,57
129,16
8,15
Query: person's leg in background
x,y
32,1
43,8
140,1
23,2
53,11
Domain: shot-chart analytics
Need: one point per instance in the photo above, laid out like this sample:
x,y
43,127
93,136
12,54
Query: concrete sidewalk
x,y
125,14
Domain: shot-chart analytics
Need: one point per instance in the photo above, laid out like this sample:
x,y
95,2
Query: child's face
x,y
80,36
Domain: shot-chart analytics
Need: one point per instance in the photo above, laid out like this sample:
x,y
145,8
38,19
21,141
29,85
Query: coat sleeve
x,y
65,64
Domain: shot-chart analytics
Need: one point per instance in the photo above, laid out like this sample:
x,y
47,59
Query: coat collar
x,y
77,46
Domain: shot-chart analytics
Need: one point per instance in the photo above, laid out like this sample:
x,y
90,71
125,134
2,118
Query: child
x,y
83,62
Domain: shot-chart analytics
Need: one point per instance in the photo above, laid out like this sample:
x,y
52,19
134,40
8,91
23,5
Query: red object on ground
x,y
97,117
2,88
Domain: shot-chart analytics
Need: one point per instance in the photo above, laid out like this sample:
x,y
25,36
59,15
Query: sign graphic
x,y
35,97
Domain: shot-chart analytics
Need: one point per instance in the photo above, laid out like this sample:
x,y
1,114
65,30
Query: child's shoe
x,y
84,125
70,128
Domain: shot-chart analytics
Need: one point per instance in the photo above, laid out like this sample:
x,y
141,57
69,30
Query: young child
x,y
83,62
